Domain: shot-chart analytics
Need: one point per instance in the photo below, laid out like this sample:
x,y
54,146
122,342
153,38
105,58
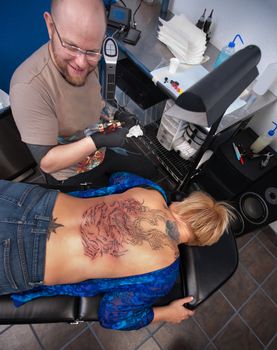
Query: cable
x,y
119,31
123,3
134,22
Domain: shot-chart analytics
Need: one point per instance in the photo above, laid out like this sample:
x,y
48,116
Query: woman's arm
x,y
175,312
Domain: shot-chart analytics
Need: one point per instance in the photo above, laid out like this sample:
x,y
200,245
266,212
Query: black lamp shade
x,y
212,95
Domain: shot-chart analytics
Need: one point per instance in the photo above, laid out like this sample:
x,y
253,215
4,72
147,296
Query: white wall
x,y
255,20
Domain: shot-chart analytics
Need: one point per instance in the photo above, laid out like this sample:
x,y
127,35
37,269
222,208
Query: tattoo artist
x,y
55,95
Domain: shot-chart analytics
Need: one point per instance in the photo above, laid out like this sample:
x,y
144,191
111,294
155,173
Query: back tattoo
x,y
107,228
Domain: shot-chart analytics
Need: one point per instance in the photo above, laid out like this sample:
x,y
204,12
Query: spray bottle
x,y
227,51
263,140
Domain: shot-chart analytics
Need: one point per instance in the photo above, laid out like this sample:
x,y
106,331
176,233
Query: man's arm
x,y
52,159
64,156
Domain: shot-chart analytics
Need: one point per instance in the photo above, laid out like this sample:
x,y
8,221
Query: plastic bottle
x,y
164,9
263,140
227,51
201,21
208,23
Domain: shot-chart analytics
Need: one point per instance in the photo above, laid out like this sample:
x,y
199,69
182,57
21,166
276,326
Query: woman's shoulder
x,y
147,195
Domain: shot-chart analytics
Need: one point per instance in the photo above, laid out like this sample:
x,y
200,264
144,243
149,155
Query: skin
x,y
83,24
102,238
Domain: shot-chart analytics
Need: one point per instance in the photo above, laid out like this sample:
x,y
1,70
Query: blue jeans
x,y
25,214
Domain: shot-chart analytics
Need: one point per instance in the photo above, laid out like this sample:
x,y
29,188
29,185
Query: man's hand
x,y
113,139
128,119
175,312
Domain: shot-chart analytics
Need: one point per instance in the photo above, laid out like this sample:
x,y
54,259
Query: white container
x,y
166,137
263,140
170,128
173,65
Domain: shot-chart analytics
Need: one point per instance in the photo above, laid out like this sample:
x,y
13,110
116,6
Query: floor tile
x,y
19,337
153,327
211,346
3,328
237,336
261,315
112,340
246,287
269,239
270,286
186,335
54,335
213,314
257,260
85,341
273,345
244,239
150,344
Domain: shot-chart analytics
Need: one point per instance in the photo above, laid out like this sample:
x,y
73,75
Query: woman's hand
x,y
175,312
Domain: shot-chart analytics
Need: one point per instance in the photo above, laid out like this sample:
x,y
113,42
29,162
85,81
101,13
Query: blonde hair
x,y
206,218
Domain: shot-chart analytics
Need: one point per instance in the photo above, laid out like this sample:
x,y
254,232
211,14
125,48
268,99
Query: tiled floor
x,y
241,315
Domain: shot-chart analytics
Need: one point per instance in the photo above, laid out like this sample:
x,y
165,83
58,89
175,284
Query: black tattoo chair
x,y
16,161
203,271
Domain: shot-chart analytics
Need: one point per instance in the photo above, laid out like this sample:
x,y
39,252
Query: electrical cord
x,y
123,3
119,31
134,21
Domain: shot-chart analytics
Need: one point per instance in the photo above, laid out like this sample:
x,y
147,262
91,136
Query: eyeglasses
x,y
91,55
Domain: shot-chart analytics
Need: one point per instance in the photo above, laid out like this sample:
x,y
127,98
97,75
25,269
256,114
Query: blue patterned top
x,y
127,301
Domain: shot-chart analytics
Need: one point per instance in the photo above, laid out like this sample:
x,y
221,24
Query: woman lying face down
x,y
122,245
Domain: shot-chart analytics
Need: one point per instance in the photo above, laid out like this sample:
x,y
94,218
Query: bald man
x,y
55,95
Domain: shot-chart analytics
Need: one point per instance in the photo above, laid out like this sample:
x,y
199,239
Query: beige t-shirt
x,y
50,111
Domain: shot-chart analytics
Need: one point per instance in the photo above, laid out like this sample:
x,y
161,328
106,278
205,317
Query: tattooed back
x,y
112,236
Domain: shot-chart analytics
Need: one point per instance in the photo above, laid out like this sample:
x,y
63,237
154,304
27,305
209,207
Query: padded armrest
x,y
42,310
88,308
89,305
205,269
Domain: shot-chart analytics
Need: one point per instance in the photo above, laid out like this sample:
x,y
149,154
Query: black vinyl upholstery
x,y
43,310
15,157
206,269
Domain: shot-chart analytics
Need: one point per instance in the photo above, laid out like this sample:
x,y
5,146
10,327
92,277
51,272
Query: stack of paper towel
x,y
183,38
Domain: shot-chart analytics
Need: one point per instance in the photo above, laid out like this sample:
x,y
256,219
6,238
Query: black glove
x,y
128,119
112,139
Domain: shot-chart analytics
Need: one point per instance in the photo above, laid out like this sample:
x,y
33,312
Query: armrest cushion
x,y
205,269
43,310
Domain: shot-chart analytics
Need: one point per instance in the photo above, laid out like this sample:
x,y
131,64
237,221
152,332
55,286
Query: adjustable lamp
x,y
206,101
